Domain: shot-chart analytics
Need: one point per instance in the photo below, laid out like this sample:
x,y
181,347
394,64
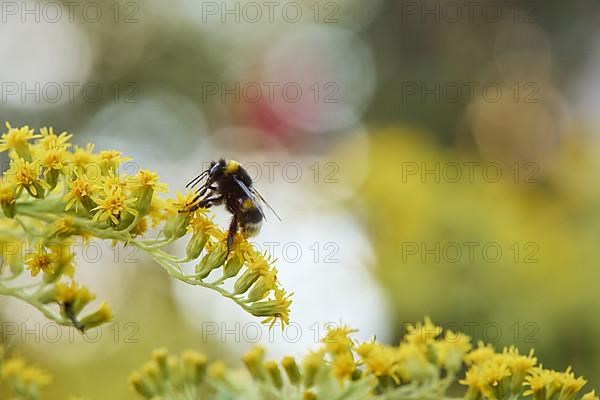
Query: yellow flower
x,y
181,203
343,366
144,185
17,139
537,382
482,354
55,158
13,367
113,206
590,396
140,228
81,189
474,380
494,373
158,210
112,181
414,361
39,261
68,293
25,174
110,160
148,179
379,360
7,199
519,365
337,340
49,140
570,385
85,157
7,193
452,349
423,333
35,376
200,223
274,309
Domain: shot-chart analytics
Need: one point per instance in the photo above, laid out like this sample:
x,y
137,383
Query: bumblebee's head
x,y
216,170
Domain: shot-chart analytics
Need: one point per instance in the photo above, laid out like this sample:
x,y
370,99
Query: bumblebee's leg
x,y
205,203
210,201
233,227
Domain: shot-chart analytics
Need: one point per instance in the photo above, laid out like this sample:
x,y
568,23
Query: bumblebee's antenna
x,y
197,179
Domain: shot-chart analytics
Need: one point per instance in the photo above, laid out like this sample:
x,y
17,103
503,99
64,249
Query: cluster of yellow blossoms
x,y
24,381
424,366
54,195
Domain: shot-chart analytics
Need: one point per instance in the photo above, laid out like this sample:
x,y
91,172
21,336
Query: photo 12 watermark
x,y
472,12
256,12
270,92
469,92
68,92
469,252
69,11
51,332
469,172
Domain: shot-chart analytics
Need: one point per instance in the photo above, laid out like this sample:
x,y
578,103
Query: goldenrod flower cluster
x,y
423,366
55,195
22,380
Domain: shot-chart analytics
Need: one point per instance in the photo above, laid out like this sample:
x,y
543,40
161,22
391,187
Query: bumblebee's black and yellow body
x,y
228,183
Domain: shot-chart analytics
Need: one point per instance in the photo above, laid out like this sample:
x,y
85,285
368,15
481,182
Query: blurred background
x,y
427,157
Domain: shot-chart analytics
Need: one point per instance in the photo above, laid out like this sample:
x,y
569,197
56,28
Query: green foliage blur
x,y
537,293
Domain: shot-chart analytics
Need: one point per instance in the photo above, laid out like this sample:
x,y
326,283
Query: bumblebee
x,y
227,182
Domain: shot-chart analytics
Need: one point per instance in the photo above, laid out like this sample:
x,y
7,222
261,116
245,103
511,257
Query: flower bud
x,y
101,316
52,178
196,245
261,289
160,358
144,199
194,366
141,385
176,226
274,373
36,190
291,369
253,360
233,266
125,220
12,254
310,367
217,370
213,259
152,372
308,395
245,281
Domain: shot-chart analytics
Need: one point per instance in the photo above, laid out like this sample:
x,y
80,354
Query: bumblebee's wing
x,y
257,194
250,195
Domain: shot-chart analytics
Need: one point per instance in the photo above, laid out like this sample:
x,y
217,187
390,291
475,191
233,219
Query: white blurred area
x,y
44,62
